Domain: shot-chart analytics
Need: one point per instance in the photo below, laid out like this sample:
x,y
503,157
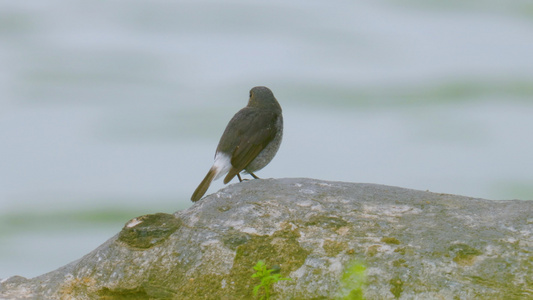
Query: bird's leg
x,y
253,175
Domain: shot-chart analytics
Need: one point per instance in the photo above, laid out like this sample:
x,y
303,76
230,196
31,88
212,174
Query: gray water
x,y
113,109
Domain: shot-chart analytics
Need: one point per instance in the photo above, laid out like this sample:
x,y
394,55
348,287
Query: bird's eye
x,y
250,94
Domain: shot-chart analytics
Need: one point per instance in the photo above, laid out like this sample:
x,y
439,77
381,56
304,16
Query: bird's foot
x,y
253,175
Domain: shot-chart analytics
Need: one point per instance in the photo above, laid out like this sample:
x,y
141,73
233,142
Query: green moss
x,y
236,239
333,248
353,281
390,240
208,286
124,294
281,248
465,255
149,230
400,250
397,287
372,250
326,222
399,263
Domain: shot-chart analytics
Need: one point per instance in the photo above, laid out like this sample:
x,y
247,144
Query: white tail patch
x,y
222,164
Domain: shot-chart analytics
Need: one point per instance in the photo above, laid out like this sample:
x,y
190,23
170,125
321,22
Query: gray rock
x,y
334,240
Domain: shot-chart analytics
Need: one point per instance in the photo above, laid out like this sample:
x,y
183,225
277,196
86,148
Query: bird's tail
x,y
204,185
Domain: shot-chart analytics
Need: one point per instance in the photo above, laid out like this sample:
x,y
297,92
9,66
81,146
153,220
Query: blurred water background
x,y
113,109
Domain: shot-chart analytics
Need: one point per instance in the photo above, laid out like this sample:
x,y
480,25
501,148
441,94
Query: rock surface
x,y
334,240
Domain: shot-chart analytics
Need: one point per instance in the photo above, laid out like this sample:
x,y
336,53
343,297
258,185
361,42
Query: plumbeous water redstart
x,y
250,141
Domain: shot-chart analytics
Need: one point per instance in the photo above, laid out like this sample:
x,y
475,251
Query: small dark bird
x,y
249,142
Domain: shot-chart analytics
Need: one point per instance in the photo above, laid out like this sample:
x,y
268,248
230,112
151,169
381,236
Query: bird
x,y
249,142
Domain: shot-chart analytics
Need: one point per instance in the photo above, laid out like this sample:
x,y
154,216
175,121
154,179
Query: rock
x,y
334,240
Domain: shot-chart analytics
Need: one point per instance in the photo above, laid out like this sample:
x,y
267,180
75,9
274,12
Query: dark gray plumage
x,y
250,141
